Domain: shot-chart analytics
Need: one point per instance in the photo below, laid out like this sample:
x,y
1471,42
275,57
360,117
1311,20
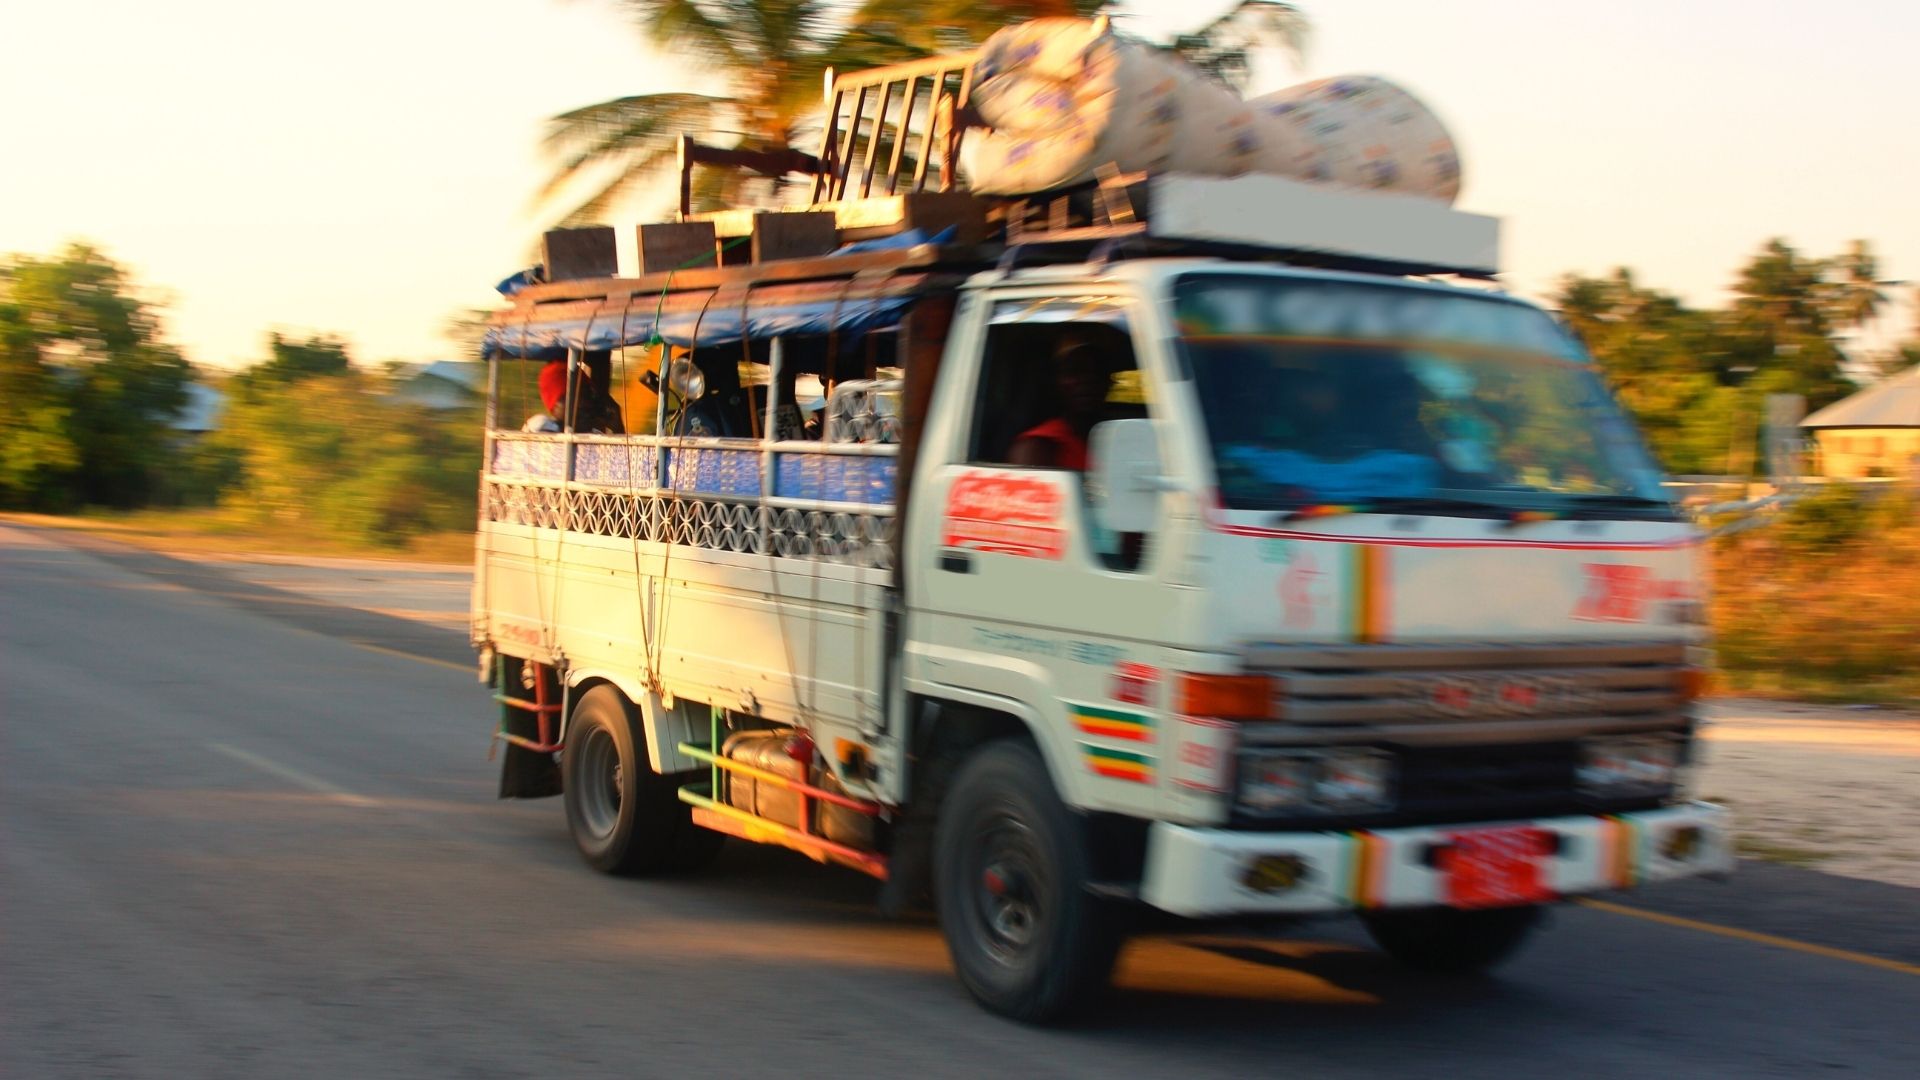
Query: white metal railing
x,y
751,496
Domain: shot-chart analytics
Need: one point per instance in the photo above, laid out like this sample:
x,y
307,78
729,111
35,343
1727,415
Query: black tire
x,y
1449,941
626,818
1027,938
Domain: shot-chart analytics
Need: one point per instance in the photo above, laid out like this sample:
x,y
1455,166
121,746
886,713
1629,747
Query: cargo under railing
x,y
709,812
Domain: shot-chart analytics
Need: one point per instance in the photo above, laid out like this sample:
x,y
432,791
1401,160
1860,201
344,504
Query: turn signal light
x,y
1227,697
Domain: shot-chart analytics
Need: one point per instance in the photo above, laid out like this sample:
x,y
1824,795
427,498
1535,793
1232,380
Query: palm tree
x,y
1224,47
773,55
1857,297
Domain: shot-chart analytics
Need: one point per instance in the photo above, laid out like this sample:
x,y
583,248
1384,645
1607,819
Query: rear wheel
x,y
625,818
1027,938
1451,941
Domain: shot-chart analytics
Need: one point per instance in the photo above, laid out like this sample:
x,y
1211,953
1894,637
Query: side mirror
x,y
1124,482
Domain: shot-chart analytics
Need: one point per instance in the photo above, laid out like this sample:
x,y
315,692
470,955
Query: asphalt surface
x,y
246,831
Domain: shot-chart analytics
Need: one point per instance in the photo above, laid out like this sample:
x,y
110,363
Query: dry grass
x,y
1824,604
214,532
1785,854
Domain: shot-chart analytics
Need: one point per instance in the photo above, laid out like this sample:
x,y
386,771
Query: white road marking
x,y
290,775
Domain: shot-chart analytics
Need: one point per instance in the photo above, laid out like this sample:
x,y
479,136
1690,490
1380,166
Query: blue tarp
x,y
910,238
514,283
550,340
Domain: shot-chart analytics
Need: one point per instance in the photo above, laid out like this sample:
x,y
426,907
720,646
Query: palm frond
x,y
639,168
790,29
678,24
616,146
590,137
590,123
911,30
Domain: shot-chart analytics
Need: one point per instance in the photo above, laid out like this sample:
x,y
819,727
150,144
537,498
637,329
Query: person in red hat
x,y
592,411
553,385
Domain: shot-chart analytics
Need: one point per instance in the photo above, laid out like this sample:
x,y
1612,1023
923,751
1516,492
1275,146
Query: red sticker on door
x,y
1009,513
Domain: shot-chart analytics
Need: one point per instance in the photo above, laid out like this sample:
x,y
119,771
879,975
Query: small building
x,y
201,413
1874,433
443,384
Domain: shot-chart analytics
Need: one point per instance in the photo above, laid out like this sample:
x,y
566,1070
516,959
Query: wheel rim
x,y
600,782
1007,888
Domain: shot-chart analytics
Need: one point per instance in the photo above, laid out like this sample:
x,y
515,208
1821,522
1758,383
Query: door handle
x,y
956,562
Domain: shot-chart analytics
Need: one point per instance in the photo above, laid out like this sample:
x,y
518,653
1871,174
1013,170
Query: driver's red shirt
x,y
1070,450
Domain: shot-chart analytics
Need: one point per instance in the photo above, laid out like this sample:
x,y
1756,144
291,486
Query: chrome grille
x,y
1464,694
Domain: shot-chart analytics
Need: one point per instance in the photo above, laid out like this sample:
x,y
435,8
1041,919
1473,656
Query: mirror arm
x,y
1159,485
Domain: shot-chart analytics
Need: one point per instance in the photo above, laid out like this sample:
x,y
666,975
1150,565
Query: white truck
x,y
1346,588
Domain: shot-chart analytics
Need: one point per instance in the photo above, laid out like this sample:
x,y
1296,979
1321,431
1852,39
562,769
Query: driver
x,y
1082,382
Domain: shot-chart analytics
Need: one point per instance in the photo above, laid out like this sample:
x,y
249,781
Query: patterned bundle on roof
x,y
1065,96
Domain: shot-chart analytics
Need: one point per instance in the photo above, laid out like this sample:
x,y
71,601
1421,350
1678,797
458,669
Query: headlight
x,y
1276,782
1629,764
1361,780
1270,783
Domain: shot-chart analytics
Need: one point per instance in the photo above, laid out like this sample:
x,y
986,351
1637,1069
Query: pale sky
x,y
366,168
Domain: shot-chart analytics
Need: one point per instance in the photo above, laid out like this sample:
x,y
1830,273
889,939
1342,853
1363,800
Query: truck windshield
x,y
1334,393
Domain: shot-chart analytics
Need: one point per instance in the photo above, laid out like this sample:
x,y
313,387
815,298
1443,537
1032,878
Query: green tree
x,y
1697,381
334,455
1661,358
1855,296
290,361
89,386
1779,332
36,450
770,56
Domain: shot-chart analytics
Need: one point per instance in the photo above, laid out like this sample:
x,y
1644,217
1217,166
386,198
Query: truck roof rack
x,y
887,168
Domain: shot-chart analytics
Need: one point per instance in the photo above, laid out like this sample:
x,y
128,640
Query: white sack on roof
x,y
1357,131
1065,96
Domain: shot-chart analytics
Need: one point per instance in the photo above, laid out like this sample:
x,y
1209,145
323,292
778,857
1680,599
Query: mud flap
x,y
526,774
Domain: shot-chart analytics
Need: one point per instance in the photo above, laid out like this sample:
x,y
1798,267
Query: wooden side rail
x,y
881,107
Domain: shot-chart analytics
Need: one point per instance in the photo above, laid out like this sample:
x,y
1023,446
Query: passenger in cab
x,y
1081,381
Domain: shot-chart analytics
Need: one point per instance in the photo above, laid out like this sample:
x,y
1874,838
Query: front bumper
x,y
1211,872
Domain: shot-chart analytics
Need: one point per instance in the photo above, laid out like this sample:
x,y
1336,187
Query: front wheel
x,y
1027,938
625,818
1451,941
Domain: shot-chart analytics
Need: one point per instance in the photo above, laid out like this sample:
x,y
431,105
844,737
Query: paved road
x,y
244,833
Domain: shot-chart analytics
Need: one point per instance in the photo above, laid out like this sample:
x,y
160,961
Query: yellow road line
x,y
1754,936
412,656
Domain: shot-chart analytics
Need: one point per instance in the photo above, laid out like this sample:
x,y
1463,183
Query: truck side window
x,y
1043,387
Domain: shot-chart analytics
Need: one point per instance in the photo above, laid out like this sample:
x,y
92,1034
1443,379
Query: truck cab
x,y
1365,560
